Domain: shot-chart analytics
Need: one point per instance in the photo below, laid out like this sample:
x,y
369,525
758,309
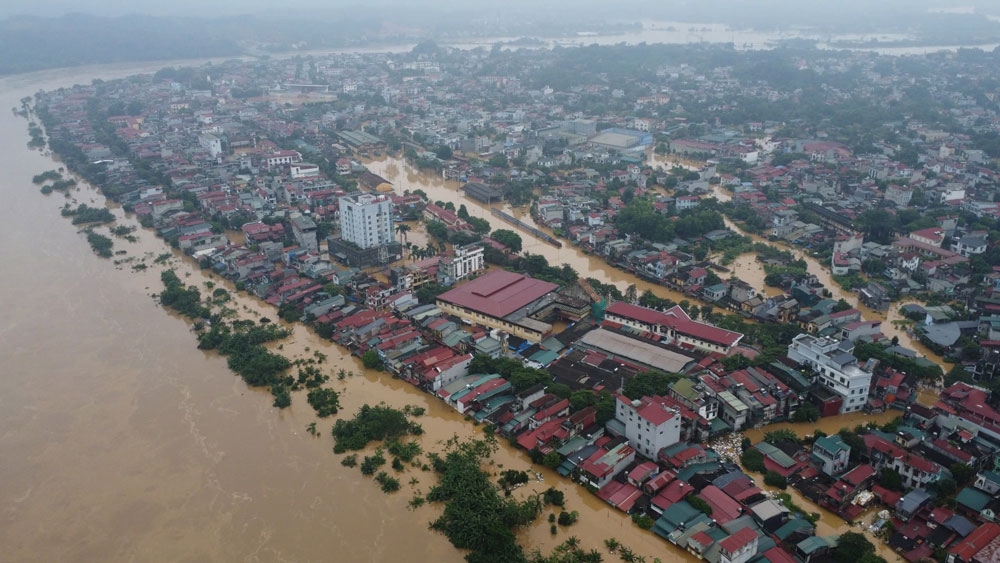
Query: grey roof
x,y
945,334
636,350
959,524
767,509
913,501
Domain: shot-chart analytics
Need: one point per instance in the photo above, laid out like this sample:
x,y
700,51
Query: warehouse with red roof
x,y
502,300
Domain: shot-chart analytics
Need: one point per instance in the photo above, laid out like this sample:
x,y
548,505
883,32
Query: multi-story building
x,y
211,143
832,454
366,231
304,230
836,367
650,424
462,263
366,220
900,195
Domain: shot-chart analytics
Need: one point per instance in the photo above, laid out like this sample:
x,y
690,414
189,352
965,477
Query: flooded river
x,y
893,323
121,441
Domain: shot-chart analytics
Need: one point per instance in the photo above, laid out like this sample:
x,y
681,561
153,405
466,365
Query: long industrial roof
x,y
498,293
636,350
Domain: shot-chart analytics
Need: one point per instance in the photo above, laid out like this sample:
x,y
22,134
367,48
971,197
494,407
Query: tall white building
x,y
366,220
836,367
650,425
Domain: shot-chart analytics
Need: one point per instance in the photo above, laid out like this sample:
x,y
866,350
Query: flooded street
x,y
404,177
122,441
893,323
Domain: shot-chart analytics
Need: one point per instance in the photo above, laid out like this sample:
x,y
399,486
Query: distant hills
x,y
33,43
30,43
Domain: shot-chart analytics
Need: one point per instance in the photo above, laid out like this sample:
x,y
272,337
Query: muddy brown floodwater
x,y
120,440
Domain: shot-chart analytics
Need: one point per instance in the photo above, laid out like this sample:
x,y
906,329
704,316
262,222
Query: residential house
x,y
650,424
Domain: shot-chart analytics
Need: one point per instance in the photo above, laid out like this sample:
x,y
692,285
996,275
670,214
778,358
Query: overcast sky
x,y
212,8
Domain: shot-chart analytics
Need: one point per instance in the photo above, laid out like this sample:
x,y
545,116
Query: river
x,y
121,441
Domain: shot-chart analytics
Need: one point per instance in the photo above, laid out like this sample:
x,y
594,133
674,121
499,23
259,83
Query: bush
x,y
699,504
753,460
371,424
325,402
350,461
371,463
100,244
568,518
554,497
370,359
405,451
775,479
643,521
389,484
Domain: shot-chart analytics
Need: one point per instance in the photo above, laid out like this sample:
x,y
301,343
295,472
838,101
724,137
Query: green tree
x,y
552,460
438,230
498,160
852,547
443,152
370,359
890,479
753,460
963,473
775,479
806,412
649,384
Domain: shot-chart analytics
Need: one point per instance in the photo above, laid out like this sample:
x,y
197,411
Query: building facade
x,y
836,367
366,220
650,425
465,261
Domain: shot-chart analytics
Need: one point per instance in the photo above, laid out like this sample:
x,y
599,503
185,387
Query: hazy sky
x,y
630,9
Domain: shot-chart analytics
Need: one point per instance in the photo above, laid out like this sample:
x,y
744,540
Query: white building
x,y
739,547
836,367
211,143
366,220
900,195
650,425
304,170
466,261
279,158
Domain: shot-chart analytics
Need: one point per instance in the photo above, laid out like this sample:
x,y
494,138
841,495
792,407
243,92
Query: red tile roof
x,y
676,319
733,543
977,540
498,293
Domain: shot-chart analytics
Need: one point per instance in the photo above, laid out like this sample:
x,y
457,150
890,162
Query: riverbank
x,y
440,423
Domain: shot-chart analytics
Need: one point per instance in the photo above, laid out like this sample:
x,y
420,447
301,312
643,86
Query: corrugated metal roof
x,y
636,350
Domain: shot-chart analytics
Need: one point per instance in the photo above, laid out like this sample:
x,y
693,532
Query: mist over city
x,y
500,282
